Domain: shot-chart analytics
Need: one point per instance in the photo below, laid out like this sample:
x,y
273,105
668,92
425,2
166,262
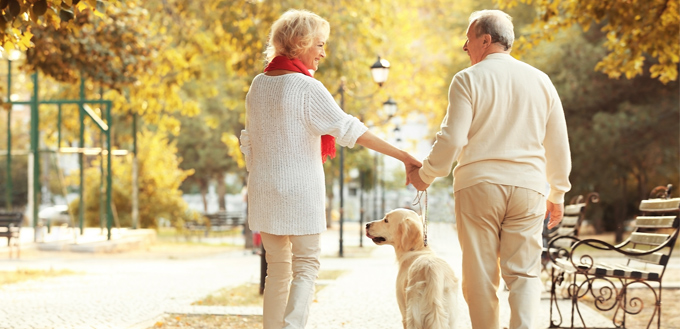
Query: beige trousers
x,y
499,229
286,302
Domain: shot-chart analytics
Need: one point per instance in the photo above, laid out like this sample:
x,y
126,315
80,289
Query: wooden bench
x,y
222,221
10,228
574,214
216,222
643,259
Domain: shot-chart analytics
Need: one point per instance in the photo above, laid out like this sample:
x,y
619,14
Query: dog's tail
x,y
431,295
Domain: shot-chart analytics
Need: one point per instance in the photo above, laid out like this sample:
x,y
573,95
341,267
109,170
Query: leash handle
x,y
417,201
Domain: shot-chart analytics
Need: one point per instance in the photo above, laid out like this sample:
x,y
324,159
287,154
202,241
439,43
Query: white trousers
x,y
286,302
499,229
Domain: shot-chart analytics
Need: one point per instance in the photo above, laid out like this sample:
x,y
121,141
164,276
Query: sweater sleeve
x,y
246,148
452,136
325,117
557,153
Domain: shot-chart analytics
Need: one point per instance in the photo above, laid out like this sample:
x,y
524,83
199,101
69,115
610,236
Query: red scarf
x,y
295,65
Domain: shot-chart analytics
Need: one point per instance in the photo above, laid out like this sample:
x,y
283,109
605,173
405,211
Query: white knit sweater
x,y
285,118
504,125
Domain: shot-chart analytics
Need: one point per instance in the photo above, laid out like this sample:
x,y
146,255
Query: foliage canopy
x,y
637,32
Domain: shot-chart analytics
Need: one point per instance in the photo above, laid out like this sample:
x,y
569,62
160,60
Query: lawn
x,y
243,295
9,277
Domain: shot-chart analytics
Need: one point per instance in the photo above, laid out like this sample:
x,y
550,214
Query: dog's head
x,y
401,228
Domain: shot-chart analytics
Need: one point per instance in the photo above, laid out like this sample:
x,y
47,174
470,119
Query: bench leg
x,y
553,300
9,246
658,308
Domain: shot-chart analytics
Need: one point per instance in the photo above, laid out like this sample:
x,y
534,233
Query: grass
x,y
9,277
209,322
249,294
243,295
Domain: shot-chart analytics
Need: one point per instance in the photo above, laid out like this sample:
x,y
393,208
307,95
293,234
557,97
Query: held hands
x,y
415,179
412,176
411,164
556,212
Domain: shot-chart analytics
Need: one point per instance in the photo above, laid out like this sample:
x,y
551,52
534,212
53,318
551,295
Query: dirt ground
x,y
209,322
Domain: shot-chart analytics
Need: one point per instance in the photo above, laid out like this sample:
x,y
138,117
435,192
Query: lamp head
x,y
380,70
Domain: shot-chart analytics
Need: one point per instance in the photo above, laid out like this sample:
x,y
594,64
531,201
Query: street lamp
x,y
390,108
379,71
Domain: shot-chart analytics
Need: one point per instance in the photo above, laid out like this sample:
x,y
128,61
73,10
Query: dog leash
x,y
417,201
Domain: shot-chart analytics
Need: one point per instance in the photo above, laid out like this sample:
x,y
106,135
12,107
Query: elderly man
x,y
506,129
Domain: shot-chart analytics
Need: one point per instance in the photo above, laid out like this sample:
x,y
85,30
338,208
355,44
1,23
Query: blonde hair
x,y
295,32
495,23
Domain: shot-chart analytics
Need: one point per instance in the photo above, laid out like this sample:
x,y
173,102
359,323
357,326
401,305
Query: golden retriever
x,y
427,287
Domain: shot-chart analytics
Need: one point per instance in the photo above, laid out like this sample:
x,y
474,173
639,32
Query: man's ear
x,y
487,40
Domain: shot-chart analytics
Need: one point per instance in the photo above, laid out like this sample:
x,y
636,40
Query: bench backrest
x,y
10,223
11,218
656,227
573,218
223,218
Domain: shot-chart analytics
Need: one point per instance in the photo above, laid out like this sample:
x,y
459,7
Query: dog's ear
x,y
411,239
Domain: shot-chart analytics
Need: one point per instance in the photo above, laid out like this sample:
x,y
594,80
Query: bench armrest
x,y
586,261
556,250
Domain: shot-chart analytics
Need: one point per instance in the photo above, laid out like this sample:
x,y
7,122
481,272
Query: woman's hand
x,y
411,165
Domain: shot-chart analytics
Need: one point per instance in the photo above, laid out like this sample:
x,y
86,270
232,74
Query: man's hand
x,y
411,164
556,212
414,178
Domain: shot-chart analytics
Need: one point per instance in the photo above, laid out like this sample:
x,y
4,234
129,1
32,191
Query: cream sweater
x,y
504,125
286,116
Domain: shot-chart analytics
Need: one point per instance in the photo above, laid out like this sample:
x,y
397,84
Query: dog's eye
x,y
385,219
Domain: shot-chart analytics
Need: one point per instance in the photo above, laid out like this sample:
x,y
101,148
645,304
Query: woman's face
x,y
313,55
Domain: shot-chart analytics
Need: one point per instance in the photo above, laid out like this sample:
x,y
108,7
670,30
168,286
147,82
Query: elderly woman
x,y
292,125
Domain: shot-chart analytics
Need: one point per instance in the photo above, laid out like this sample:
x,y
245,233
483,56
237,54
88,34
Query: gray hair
x,y
295,32
495,23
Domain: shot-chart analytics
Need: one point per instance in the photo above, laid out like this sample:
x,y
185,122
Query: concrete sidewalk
x,y
128,292
365,296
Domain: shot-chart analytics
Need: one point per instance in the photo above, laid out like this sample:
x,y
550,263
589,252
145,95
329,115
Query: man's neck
x,y
496,50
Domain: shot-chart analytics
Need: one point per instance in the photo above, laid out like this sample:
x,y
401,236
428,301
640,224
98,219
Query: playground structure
x,y
34,159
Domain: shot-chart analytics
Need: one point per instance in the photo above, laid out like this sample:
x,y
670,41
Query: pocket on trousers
x,y
535,202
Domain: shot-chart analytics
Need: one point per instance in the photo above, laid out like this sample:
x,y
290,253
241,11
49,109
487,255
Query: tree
x,y
637,32
623,132
20,16
159,180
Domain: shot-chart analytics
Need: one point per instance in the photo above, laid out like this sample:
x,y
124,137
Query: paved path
x,y
116,293
123,292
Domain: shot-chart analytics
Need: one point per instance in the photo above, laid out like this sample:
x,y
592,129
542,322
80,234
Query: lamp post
x,y
390,108
379,71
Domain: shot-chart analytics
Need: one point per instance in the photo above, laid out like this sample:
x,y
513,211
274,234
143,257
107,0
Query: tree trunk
x,y
204,196
221,193
330,182
329,209
246,228
623,213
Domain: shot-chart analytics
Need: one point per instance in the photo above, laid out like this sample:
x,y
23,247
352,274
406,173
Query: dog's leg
x,y
414,309
401,301
429,294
